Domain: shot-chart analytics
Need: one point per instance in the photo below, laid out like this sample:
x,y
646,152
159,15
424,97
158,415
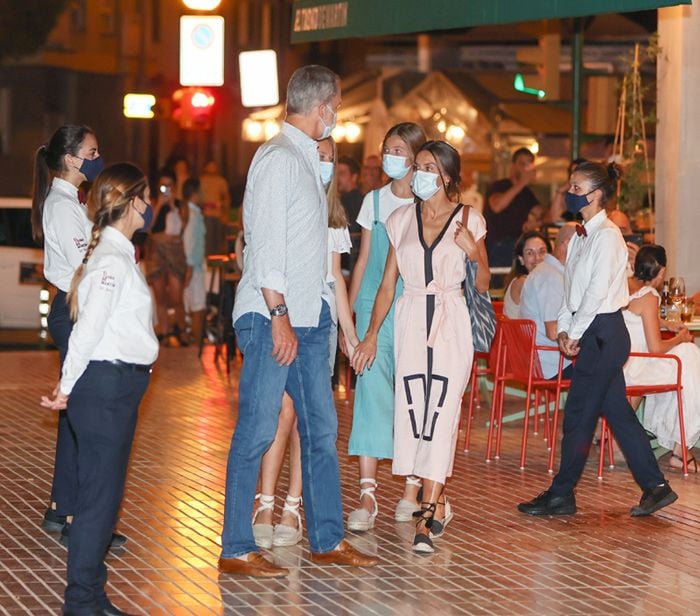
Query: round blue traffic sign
x,y
202,36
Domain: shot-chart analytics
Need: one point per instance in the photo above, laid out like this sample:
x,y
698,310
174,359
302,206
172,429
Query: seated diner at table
x,y
644,325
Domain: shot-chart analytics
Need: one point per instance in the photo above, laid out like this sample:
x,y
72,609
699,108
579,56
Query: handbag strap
x,y
465,214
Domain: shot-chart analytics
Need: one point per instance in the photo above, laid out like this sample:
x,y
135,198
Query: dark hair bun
x,y
614,172
649,261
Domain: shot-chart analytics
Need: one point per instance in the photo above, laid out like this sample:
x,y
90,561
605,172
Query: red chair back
x,y
522,362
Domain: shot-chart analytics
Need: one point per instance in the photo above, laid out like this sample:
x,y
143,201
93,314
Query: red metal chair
x,y
490,359
633,391
518,360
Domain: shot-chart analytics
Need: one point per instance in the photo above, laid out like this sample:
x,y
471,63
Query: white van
x,y
23,295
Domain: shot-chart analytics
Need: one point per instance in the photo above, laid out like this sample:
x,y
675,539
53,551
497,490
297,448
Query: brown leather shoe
x,y
344,554
255,566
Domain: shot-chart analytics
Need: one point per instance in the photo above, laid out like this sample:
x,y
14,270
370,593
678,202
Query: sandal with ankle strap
x,y
422,543
438,527
287,536
692,463
263,532
361,519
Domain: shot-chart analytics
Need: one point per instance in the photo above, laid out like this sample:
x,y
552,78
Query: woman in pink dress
x,y
432,329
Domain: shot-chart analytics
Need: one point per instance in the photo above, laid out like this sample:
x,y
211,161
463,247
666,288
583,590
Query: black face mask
x,y
147,216
91,167
575,203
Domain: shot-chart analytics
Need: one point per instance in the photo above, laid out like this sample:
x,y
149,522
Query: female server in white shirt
x,y
105,375
59,219
591,326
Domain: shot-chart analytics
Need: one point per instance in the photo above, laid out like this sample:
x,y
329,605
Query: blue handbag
x,y
481,312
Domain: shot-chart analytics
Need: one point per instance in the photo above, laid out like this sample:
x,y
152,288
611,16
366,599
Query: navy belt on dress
x,y
127,366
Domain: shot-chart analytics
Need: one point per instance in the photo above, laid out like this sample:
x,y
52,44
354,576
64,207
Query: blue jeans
x,y
262,383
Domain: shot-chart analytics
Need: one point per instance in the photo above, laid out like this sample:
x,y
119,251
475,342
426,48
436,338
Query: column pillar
x,y
678,142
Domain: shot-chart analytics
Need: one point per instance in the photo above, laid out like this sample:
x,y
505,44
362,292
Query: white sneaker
x,y
263,532
287,536
361,519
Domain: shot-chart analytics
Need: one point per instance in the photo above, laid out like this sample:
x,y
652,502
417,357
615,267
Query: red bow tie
x,y
581,230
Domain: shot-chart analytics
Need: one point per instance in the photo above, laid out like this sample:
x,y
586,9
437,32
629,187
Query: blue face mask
x,y
424,184
395,166
147,216
575,203
326,172
328,128
91,167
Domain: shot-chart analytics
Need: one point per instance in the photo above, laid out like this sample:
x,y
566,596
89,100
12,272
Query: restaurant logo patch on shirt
x,y
108,282
80,243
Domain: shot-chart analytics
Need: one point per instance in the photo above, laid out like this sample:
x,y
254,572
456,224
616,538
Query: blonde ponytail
x,y
72,297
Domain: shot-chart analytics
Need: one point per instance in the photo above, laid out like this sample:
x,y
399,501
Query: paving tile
x,y
492,561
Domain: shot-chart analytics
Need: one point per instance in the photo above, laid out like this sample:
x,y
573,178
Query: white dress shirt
x,y
286,229
115,312
67,232
595,276
540,301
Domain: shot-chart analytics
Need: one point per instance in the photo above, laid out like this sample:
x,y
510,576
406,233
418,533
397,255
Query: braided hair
x,y
109,197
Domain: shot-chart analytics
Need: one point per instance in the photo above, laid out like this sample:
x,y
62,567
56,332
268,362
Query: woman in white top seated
x,y
530,250
643,323
105,375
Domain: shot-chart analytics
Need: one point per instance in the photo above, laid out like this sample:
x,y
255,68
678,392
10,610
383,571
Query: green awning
x,y
317,20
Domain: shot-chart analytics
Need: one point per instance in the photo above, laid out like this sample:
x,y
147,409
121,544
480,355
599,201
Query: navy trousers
x,y
598,387
65,469
102,411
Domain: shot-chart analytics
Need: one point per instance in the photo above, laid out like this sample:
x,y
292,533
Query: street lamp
x,y
201,5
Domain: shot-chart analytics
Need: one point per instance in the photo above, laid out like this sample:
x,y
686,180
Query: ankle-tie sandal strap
x,y
292,504
413,481
422,517
267,503
369,491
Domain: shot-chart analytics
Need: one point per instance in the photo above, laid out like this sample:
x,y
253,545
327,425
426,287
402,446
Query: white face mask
x,y
326,172
328,128
424,184
395,167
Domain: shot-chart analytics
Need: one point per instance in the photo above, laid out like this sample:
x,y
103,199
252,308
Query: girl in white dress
x,y
643,323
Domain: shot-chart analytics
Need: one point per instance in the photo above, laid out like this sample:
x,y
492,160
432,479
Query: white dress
x,y
510,308
661,410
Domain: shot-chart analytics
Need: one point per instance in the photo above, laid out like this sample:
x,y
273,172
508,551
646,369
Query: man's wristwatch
x,y
278,311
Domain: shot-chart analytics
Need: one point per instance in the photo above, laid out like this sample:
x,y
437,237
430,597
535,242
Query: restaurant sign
x,y
317,20
322,17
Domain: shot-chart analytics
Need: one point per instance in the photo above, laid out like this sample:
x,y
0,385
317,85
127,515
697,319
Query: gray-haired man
x,y
283,326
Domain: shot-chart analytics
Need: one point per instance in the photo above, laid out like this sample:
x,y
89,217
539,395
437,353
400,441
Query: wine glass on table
x,y
676,290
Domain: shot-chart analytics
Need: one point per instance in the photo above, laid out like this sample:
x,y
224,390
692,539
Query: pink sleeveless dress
x,y
432,343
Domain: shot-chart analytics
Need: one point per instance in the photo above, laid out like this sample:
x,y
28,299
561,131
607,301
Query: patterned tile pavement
x,y
491,561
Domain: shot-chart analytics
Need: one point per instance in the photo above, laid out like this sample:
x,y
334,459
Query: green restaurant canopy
x,y
317,20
